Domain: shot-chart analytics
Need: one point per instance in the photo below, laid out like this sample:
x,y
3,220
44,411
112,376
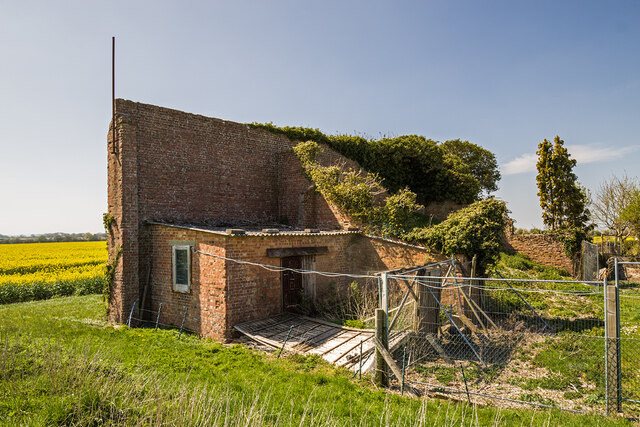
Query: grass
x,y
582,305
62,365
574,355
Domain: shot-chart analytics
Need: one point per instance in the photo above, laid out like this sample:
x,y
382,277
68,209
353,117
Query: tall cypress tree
x,y
562,199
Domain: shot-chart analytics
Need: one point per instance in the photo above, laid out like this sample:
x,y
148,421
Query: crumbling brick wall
x,y
171,166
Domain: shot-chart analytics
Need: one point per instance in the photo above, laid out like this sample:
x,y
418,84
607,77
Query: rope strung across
x,y
278,268
427,281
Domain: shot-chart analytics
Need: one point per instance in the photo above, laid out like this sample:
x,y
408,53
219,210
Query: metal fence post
x,y
618,341
131,313
385,304
384,295
285,341
183,319
612,343
158,316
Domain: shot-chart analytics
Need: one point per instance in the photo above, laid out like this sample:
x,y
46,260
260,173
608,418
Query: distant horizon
x,y
54,233
503,75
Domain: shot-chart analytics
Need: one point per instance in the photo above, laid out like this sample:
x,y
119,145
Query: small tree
x,y
631,213
610,201
482,162
562,199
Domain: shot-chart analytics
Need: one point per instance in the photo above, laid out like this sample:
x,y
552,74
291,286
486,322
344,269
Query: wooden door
x,y
291,283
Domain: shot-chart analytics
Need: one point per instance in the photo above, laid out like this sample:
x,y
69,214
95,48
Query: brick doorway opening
x,y
291,284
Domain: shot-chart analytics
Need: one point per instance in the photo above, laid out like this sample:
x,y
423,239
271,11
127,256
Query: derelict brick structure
x,y
180,180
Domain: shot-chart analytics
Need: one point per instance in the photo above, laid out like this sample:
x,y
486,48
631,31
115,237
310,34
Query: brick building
x,y
193,199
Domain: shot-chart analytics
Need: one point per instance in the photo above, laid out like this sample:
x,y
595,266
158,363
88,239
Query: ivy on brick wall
x,y
434,172
353,192
477,229
571,239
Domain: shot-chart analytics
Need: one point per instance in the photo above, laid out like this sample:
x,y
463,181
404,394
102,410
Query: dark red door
x,y
291,283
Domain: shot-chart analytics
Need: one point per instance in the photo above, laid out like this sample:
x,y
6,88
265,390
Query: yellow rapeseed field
x,y
42,270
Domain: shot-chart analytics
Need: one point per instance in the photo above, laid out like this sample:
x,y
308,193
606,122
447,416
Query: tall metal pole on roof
x,y
113,95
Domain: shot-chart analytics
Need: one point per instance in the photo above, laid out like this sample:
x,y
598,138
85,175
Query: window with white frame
x,y
181,268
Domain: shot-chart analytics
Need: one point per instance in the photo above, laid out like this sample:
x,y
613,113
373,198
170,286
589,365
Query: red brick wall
x,y
224,293
542,248
172,166
298,201
373,254
195,169
255,292
205,303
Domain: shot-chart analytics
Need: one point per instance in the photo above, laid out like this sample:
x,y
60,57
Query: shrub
x,y
18,292
475,230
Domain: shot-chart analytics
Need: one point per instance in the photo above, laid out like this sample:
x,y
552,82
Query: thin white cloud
x,y
598,153
522,164
582,153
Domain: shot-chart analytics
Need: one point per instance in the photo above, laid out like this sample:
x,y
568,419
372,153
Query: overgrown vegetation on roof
x,y
474,230
354,192
415,170
455,170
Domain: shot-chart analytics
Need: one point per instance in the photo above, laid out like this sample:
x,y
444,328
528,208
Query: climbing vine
x,y
571,239
354,191
107,221
110,275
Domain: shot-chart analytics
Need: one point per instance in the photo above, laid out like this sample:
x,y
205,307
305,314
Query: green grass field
x,y
61,364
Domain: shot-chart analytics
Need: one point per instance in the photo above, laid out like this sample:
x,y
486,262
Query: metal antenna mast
x,y
113,95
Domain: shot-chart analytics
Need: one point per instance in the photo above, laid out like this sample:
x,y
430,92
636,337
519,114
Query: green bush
x,y
435,172
474,230
10,292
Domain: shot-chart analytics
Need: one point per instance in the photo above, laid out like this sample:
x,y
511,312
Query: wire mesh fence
x,y
165,316
629,309
521,341
590,261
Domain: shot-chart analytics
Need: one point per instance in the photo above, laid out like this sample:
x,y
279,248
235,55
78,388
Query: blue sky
x,y
501,74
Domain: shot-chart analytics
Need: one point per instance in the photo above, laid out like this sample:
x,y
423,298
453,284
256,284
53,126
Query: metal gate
x,y
628,334
590,261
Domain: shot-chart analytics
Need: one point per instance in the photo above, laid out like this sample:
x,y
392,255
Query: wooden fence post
x,y
384,292
427,310
381,376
